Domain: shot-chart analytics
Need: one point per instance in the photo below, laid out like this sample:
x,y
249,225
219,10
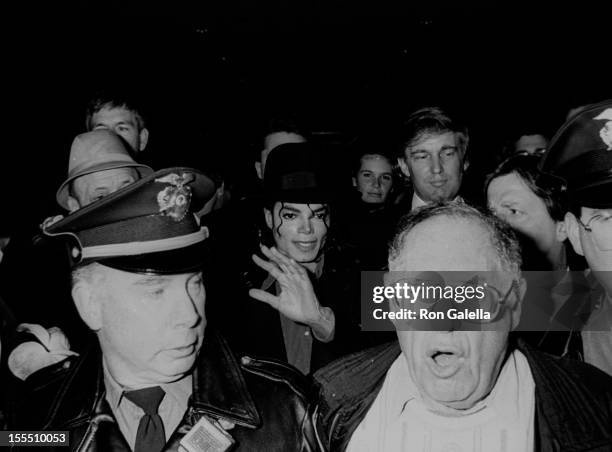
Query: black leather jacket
x,y
266,400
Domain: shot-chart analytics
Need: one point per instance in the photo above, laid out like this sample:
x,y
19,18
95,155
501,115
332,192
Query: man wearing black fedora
x,y
294,299
157,377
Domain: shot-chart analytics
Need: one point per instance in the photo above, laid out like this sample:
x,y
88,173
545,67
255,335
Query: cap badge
x,y
174,200
606,131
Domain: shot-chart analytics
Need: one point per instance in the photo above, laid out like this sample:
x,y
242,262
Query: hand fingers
x,y
286,269
270,267
287,264
264,296
279,259
294,266
280,255
275,255
268,252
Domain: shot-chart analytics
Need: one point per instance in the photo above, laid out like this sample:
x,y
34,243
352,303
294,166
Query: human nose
x,y
436,166
306,226
376,182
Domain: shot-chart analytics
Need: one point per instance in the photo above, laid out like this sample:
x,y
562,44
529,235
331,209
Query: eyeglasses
x,y
493,301
600,227
498,301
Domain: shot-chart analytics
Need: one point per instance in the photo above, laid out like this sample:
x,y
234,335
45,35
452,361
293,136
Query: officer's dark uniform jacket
x,y
266,400
573,399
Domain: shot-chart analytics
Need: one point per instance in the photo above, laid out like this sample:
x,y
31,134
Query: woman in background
x,y
368,219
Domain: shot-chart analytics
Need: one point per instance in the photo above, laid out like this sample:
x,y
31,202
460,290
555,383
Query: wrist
x,y
323,328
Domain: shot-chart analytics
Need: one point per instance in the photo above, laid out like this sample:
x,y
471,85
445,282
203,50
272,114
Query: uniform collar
x,y
179,390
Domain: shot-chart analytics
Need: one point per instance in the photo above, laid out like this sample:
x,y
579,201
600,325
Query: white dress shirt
x,y
418,202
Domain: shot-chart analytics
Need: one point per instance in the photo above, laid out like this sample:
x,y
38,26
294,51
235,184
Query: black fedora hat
x,y
301,173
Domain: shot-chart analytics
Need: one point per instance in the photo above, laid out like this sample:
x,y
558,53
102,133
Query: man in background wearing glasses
x,y
581,154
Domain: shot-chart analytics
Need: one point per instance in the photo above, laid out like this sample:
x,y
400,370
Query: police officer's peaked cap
x,y
580,153
149,226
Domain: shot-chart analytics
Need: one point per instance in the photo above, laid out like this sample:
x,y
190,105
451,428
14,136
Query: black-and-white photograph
x,y
307,226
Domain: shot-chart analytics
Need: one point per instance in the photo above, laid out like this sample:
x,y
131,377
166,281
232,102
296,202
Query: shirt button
x,y
306,333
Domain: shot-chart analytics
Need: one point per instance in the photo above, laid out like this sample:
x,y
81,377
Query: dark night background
x,y
211,73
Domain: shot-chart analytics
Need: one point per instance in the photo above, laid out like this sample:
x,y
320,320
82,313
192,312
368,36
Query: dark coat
x,y
266,400
573,399
369,228
254,328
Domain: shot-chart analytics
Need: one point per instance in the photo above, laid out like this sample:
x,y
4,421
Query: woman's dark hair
x,y
364,146
547,188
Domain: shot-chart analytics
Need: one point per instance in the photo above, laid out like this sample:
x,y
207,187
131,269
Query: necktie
x,y
150,436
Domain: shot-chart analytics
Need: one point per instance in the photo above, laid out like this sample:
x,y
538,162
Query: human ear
x,y
268,215
560,231
258,169
573,232
73,204
144,138
88,306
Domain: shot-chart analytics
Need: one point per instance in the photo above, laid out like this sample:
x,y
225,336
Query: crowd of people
x,y
174,314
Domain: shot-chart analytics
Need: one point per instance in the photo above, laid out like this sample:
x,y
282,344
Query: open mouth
x,y
444,363
443,358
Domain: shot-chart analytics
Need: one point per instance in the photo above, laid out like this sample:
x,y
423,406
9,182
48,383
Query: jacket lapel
x,y
349,387
219,388
81,407
569,416
219,391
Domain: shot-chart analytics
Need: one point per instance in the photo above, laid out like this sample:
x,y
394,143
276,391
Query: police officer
x,y
157,377
581,155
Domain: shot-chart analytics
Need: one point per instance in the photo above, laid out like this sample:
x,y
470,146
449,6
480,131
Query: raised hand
x,y
296,300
